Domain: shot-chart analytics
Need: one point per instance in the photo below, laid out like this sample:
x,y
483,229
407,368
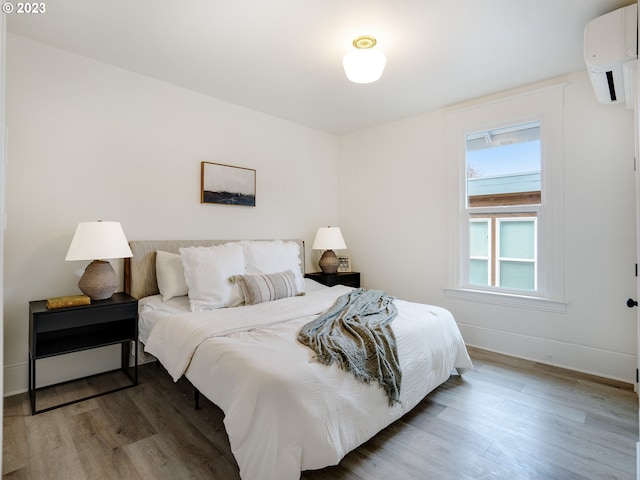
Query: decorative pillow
x,y
208,272
170,275
267,287
273,257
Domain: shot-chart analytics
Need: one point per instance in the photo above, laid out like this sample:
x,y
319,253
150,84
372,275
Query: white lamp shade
x,y
364,65
329,238
98,241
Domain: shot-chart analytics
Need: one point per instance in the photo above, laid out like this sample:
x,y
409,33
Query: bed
x,y
284,411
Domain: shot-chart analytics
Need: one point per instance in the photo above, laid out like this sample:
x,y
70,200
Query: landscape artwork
x,y
228,185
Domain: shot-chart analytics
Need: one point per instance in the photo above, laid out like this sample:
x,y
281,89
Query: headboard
x,y
140,270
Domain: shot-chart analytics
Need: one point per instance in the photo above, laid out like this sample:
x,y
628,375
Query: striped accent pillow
x,y
267,287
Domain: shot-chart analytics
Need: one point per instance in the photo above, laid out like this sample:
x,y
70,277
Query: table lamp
x,y
98,241
327,239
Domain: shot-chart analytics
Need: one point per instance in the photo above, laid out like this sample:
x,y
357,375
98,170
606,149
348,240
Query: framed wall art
x,y
227,185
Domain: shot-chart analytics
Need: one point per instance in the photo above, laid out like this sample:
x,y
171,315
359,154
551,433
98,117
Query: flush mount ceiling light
x,y
364,64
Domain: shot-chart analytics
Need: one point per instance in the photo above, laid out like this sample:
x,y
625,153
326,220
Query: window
x,y
506,201
503,194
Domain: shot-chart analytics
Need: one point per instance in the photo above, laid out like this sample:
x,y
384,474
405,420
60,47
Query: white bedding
x,y
285,412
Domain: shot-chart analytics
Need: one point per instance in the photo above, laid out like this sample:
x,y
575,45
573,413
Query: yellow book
x,y
70,301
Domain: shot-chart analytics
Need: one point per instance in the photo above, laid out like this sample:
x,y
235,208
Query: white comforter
x,y
285,412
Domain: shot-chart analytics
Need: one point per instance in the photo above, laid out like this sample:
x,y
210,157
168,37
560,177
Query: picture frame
x,y
344,264
227,185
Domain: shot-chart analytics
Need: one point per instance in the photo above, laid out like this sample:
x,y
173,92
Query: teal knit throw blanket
x,y
355,333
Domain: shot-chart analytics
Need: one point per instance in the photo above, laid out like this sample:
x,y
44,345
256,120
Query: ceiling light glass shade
x,y
364,65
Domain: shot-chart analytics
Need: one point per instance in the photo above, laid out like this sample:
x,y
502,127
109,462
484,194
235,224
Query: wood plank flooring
x,y
507,419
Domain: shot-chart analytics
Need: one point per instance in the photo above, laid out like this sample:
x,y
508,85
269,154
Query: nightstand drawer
x,y
75,317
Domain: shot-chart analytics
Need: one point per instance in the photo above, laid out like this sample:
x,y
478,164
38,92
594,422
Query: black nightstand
x,y
349,279
71,329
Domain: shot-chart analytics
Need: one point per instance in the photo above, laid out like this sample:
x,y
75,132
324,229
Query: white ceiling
x,y
284,57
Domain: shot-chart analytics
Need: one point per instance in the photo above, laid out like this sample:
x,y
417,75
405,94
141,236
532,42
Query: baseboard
x,y
594,361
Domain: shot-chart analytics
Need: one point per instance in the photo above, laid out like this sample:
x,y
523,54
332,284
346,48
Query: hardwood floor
x,y
507,419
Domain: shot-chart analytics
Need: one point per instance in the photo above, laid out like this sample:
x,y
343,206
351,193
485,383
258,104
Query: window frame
x,y
544,105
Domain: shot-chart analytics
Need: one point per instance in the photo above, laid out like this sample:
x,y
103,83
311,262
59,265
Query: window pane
x,y
517,239
479,238
503,166
518,275
479,272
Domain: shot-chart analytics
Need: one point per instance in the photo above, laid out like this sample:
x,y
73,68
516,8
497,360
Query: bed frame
x,y
140,270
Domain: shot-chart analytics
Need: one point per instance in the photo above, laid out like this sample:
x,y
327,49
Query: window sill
x,y
507,300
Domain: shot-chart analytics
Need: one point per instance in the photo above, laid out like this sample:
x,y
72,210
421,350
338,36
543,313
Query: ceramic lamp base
x,y
99,280
329,262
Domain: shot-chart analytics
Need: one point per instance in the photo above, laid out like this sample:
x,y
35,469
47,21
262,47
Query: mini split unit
x,y
611,53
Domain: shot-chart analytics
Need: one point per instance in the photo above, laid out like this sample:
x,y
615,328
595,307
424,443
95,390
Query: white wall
x,y
89,141
392,203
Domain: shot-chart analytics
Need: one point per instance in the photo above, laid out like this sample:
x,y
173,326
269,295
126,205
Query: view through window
x,y
503,193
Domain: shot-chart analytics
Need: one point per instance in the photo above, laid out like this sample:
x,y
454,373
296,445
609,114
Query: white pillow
x,y
208,272
170,275
155,303
273,257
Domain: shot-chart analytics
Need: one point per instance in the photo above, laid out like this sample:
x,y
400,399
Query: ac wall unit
x,y
610,42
